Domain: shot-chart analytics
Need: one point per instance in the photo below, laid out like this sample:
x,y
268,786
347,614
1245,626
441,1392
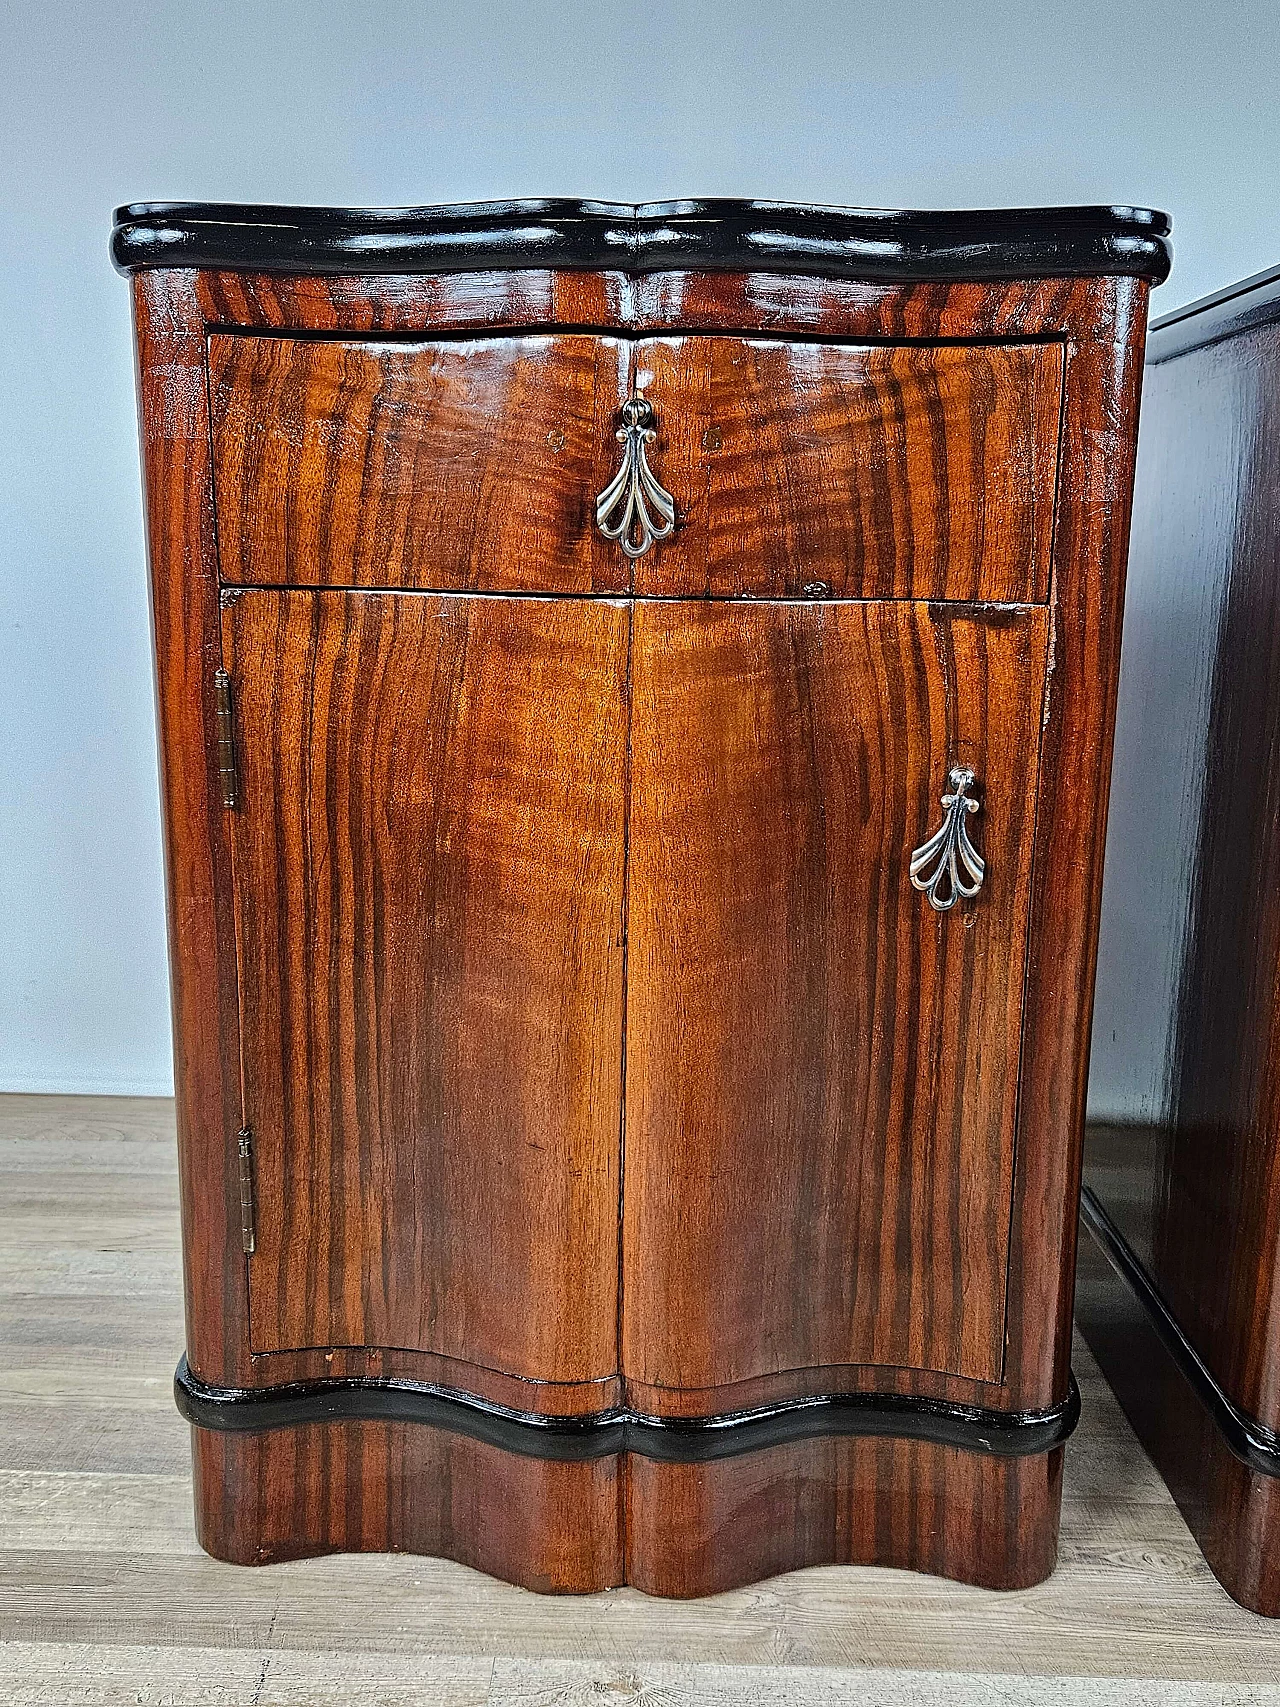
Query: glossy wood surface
x,y
1098,325
719,233
1071,310
875,473
403,1487
832,1184
467,463
668,1529
429,868
1185,1149
1091,536
1221,1185
187,635
1233,1512
872,473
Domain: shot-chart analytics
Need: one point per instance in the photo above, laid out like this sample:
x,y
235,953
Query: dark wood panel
x,y
1221,1185
401,1363
471,463
1102,321
429,884
821,1070
1233,1512
1193,882
869,472
1183,1150
695,1530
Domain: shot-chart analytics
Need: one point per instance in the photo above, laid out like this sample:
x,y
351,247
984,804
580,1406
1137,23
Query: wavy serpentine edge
x,y
876,244
681,1440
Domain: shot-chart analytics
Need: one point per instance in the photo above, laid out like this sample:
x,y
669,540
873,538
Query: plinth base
x,y
679,1511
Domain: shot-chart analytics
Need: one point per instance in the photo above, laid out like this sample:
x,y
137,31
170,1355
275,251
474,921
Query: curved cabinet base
x,y
669,1528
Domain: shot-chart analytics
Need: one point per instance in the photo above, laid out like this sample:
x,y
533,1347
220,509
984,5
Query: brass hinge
x,y
244,1150
226,740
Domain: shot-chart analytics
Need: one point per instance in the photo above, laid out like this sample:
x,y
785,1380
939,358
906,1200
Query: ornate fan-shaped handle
x,y
633,508
948,867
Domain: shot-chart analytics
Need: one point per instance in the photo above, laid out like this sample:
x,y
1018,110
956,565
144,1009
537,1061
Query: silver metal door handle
x,y
948,867
633,508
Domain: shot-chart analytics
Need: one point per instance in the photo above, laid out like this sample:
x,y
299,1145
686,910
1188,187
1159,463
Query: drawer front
x,y
875,472
796,468
822,1069
452,464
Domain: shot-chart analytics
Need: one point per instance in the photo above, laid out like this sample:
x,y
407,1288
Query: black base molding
x,y
678,1440
1255,1445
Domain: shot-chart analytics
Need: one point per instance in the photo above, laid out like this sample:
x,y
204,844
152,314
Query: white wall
x,y
937,103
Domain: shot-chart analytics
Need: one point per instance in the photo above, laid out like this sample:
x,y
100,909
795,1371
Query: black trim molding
x,y
1254,301
646,237
1255,1445
677,1440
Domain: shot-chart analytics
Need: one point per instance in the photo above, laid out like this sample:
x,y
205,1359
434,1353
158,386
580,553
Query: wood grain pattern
x,y
1091,542
688,1530
429,884
704,1529
186,632
831,1182
873,472
458,464
1098,325
1102,322
1184,1150
777,305
878,473
402,1487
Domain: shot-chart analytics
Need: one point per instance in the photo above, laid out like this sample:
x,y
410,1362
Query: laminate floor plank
x,y
105,1596
68,1323
95,1511
94,1676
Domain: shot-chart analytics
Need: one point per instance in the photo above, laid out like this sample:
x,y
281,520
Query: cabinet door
x,y
428,872
822,1071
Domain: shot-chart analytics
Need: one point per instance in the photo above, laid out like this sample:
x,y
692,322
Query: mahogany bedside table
x,y
635,689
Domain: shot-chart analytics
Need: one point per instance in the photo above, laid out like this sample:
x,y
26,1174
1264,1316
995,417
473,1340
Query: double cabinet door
x,y
592,1026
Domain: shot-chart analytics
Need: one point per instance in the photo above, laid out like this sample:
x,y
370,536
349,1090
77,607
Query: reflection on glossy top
x,y
871,243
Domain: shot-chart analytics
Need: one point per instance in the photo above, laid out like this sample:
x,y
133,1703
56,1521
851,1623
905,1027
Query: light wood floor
x,y
105,1597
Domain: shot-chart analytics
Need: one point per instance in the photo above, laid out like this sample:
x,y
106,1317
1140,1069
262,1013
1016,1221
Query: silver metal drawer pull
x,y
949,851
633,497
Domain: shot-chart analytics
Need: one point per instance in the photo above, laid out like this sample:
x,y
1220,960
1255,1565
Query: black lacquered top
x,y
647,237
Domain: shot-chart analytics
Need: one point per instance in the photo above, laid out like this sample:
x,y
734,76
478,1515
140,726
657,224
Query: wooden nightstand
x,y
636,690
